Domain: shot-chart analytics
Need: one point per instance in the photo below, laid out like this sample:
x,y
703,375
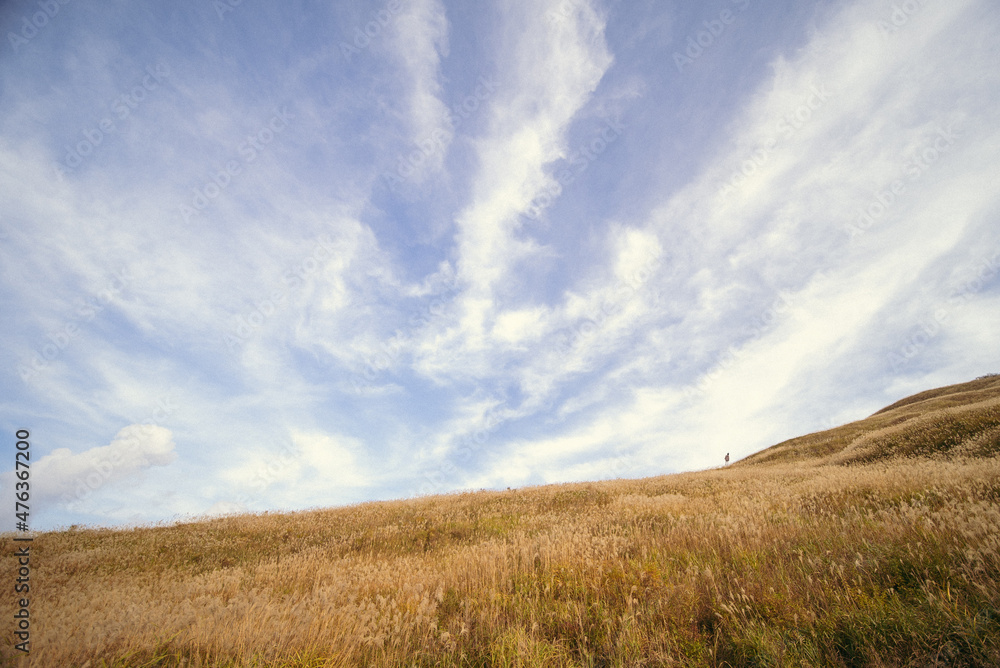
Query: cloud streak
x,y
405,248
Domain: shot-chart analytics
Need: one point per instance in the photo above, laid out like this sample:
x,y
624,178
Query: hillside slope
x,y
954,421
873,544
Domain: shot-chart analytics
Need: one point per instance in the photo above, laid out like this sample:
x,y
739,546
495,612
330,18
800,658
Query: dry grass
x,y
876,548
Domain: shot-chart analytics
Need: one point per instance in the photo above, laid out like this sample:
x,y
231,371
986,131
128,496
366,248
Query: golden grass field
x,y
872,544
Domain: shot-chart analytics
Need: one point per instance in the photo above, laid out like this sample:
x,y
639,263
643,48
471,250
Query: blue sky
x,y
274,256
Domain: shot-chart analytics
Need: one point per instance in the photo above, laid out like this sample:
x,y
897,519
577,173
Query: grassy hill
x,y
872,544
954,421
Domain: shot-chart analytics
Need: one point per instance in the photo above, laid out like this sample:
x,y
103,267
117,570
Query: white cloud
x,y
857,141
420,42
333,459
561,345
64,477
523,324
223,508
530,115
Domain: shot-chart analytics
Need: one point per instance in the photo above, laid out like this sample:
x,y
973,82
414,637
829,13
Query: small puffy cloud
x,y
68,477
517,326
333,458
638,250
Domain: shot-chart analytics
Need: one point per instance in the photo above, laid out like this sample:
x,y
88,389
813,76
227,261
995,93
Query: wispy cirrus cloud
x,y
491,247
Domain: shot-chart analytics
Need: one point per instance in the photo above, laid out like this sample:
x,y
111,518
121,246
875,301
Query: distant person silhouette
x,y
727,458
